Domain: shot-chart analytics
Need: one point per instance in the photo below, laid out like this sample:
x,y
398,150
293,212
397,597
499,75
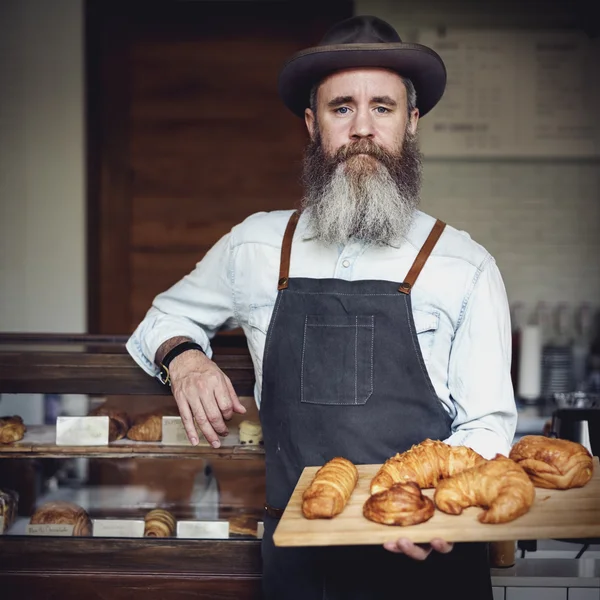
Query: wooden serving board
x,y
555,514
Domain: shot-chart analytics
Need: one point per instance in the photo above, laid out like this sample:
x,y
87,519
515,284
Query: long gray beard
x,y
371,200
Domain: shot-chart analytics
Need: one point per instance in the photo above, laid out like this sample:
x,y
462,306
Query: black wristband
x,y
164,374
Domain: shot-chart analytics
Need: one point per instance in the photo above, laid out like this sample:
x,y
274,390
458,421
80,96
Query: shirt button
x,y
346,263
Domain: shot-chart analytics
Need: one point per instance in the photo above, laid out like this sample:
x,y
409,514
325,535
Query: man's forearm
x,y
167,346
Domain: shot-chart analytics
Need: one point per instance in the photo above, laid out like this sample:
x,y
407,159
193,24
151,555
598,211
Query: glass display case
x,y
211,499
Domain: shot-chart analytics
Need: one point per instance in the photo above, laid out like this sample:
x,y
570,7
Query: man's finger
x,y
441,546
213,412
404,546
237,406
204,424
224,402
187,419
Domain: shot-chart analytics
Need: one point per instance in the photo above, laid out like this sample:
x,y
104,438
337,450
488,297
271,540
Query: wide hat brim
x,y
420,64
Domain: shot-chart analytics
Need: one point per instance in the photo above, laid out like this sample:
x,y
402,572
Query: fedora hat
x,y
362,41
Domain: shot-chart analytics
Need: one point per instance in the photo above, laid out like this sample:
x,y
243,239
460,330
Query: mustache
x,y
363,146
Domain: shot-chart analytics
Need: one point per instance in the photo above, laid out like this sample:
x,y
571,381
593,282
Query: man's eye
x,y
342,110
382,110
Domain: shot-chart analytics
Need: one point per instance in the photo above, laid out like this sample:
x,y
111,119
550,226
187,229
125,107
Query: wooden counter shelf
x,y
39,443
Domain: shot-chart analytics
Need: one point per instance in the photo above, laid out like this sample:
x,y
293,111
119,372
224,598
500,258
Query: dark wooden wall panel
x,y
193,137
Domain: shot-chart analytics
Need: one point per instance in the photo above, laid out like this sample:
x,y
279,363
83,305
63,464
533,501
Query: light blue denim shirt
x,y
459,302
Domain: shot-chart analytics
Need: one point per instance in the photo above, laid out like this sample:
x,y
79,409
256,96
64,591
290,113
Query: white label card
x,y
1,524
50,529
173,433
82,431
129,528
260,529
203,529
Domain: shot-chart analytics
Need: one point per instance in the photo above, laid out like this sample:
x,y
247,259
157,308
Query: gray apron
x,y
343,375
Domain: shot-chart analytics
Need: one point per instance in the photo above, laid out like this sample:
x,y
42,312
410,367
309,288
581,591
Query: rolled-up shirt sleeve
x,y
195,307
479,370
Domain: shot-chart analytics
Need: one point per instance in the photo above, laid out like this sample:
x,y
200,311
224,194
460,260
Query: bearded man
x,y
372,326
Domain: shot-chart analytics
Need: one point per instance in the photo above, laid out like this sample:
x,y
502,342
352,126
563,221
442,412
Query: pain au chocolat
x,y
553,463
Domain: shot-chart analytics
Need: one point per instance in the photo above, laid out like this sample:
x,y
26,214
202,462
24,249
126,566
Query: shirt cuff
x,y
143,345
485,442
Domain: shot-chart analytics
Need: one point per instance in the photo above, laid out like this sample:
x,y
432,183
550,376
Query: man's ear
x,y
413,120
309,119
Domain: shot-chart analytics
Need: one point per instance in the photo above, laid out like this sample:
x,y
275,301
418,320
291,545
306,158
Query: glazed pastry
x,y
330,489
12,429
425,464
9,500
553,463
500,486
250,433
243,525
148,426
159,523
403,504
63,513
118,424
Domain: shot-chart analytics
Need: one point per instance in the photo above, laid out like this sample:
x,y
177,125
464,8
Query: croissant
x,y
425,463
148,426
330,489
118,424
12,429
63,513
553,463
402,504
159,523
500,486
9,500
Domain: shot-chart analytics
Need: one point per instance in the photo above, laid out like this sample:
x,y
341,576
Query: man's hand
x,y
418,551
203,393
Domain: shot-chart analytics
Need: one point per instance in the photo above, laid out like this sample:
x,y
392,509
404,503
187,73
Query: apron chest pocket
x,y
337,359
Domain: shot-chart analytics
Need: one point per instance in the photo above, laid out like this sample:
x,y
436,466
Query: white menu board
x,y
521,93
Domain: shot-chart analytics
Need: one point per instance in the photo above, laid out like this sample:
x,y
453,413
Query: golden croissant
x,y
425,464
148,426
63,513
12,429
553,463
159,523
330,489
402,504
500,486
118,424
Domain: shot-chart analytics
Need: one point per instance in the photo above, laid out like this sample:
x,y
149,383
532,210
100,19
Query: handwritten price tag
x,y
50,529
82,431
173,433
119,528
203,530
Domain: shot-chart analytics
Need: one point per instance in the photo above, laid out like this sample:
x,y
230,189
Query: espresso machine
x,y
577,418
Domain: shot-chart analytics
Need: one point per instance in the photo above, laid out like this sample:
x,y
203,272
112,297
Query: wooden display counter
x,y
119,568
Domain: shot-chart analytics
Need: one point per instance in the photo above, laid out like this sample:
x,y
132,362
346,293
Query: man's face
x,y
362,167
358,104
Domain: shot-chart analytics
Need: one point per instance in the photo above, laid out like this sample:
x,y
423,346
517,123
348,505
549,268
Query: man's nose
x,y
362,125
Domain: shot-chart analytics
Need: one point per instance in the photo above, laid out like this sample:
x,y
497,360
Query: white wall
x,y
546,243
42,209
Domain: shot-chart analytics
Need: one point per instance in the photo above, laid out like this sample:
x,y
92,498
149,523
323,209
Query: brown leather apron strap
x,y
286,251
430,242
